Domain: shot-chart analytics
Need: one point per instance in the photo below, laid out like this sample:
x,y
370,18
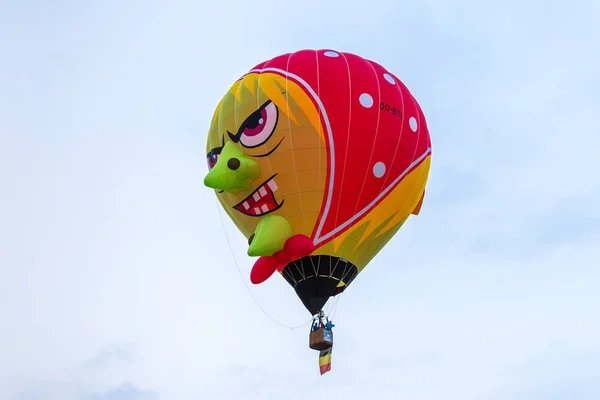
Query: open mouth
x,y
261,201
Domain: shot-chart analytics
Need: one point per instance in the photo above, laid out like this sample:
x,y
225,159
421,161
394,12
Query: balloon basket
x,y
321,339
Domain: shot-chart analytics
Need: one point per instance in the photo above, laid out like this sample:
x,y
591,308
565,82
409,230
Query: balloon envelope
x,y
318,157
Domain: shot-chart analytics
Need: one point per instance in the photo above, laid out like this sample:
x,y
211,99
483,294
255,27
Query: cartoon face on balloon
x,y
273,124
318,152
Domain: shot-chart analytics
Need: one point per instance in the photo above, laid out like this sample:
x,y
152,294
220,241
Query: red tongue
x,y
266,200
254,203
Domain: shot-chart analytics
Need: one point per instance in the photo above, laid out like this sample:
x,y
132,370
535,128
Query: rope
x,y
246,284
334,307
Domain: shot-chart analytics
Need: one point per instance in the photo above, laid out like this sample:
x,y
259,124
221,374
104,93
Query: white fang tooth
x,y
272,185
256,210
264,208
256,196
246,205
262,191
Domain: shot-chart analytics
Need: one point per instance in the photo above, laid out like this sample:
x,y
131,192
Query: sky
x,y
116,278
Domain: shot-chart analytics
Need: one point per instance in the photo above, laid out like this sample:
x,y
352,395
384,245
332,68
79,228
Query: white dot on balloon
x,y
389,78
413,124
366,100
331,54
379,169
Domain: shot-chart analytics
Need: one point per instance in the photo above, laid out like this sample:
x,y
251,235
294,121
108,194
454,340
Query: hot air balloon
x,y
318,157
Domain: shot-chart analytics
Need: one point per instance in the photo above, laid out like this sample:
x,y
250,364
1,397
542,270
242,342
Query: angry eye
x,y
259,126
212,160
213,157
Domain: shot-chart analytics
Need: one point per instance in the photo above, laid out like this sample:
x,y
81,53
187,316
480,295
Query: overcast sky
x,y
116,279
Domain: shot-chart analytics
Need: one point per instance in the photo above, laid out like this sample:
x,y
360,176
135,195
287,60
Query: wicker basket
x,y
321,339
